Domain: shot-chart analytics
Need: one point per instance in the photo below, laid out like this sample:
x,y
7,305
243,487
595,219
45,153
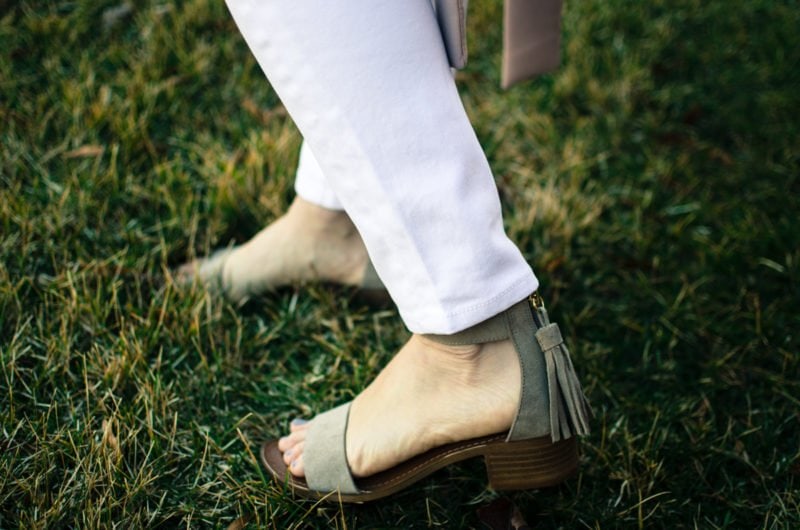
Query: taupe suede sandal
x,y
539,450
210,270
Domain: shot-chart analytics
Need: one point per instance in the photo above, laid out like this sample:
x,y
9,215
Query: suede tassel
x,y
569,408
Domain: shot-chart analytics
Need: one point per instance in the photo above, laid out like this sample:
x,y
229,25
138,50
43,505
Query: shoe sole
x,y
520,465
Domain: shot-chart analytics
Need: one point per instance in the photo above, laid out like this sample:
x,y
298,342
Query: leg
x,y
368,84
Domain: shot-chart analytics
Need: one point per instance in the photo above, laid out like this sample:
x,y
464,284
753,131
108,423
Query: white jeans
x,y
368,84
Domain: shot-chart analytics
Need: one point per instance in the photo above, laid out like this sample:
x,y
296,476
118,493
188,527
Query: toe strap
x,y
325,455
212,268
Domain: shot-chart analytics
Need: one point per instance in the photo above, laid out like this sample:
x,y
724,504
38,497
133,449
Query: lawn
x,y
652,182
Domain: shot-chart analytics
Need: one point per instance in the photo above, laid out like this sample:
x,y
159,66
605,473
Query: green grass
x,y
652,182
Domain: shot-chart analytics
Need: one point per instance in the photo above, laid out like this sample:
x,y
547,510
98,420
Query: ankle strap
x,y
490,330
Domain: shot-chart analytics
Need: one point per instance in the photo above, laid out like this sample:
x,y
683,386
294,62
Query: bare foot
x,y
428,395
308,243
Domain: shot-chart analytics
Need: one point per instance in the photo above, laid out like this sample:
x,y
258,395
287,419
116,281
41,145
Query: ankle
x,y
310,212
473,364
325,226
465,353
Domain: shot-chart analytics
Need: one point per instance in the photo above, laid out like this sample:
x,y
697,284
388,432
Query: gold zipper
x,y
536,300
537,309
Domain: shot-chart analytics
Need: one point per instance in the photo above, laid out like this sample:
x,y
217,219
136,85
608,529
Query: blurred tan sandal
x,y
210,271
539,450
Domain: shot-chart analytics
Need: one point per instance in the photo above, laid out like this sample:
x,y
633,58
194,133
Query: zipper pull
x,y
539,311
536,300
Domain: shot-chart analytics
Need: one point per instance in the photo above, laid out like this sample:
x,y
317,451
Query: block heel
x,y
531,464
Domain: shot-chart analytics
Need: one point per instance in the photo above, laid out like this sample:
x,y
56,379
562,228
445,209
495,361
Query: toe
x,y
291,446
298,424
293,454
288,456
184,274
296,467
290,440
284,444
